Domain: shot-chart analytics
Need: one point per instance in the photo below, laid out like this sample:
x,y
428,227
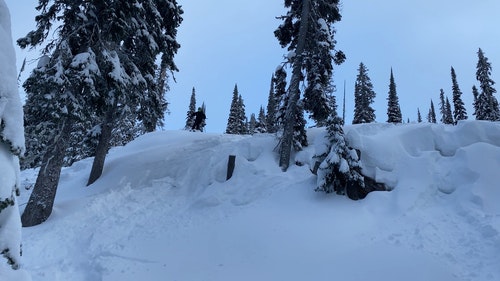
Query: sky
x,y
163,210
224,43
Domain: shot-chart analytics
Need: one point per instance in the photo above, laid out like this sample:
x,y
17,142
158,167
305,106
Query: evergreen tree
x,y
307,33
281,97
393,109
252,125
459,112
242,118
299,132
475,94
204,122
363,97
11,147
486,103
340,169
271,125
191,111
233,122
419,116
431,117
101,65
448,113
262,121
442,106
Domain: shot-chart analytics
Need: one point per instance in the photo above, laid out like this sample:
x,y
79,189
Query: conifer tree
x,y
11,148
486,103
281,97
191,111
299,132
340,170
242,118
475,94
261,121
252,125
233,122
442,106
363,97
270,121
448,113
393,109
431,117
419,116
102,65
459,113
307,33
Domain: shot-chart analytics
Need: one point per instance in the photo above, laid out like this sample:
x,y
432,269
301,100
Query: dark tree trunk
x,y
42,198
103,146
293,89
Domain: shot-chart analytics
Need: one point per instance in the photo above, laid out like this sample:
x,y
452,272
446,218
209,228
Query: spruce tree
x,y
340,169
459,112
393,109
271,125
442,106
281,97
252,125
233,121
191,111
307,33
487,104
363,97
419,116
242,118
448,113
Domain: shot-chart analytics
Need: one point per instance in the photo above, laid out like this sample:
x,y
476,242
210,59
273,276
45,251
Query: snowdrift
x,y
163,210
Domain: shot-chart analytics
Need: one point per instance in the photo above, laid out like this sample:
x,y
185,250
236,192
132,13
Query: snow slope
x,y
163,210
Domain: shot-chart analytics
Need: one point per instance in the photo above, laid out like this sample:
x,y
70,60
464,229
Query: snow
x,y
163,210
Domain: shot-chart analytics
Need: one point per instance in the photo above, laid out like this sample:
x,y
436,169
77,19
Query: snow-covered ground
x,y
163,210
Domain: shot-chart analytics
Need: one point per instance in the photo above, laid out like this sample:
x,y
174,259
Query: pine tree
x,y
307,33
340,170
233,122
204,122
299,132
191,111
271,125
442,106
363,97
419,116
459,113
11,147
486,103
393,109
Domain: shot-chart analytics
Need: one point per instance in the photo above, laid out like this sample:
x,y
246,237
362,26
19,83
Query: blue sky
x,y
229,42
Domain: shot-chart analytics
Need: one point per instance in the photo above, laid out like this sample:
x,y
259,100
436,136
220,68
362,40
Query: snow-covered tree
x,y
307,33
271,123
252,125
242,117
393,108
262,121
234,119
445,108
363,97
340,169
11,147
281,97
459,112
419,116
475,94
191,111
102,65
448,113
487,104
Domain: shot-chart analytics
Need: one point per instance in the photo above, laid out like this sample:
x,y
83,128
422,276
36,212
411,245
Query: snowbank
x,y
163,210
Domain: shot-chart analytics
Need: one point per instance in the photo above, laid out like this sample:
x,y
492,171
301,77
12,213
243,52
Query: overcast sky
x,y
228,42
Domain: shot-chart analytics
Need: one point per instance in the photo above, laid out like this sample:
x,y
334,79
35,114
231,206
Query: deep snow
x,y
163,210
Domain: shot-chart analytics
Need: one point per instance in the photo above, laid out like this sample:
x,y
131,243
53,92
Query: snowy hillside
x,y
163,210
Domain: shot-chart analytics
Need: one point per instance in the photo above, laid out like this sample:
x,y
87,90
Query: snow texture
x,y
163,210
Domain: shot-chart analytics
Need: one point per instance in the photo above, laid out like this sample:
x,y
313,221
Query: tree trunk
x,y
293,89
103,146
42,198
